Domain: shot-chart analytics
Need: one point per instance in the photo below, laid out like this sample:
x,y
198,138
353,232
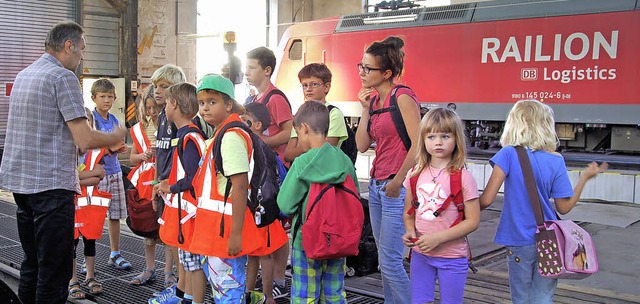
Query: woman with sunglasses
x,y
382,63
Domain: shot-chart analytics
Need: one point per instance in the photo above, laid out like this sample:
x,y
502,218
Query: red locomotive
x,y
579,56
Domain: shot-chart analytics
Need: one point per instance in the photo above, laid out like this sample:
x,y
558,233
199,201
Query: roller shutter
x,y
101,24
24,27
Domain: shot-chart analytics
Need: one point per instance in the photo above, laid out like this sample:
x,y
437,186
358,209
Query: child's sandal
x,y
143,279
169,279
95,288
75,291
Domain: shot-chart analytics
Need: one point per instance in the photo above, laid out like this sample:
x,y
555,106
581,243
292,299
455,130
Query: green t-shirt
x,y
337,128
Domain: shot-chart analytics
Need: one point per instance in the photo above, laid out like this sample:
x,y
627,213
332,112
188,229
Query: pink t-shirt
x,y
280,113
390,152
431,196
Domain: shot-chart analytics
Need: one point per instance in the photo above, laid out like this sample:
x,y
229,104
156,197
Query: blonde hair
x,y
441,120
142,105
169,72
530,123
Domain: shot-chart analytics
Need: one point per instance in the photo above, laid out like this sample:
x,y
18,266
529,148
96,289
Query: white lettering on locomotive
x,y
493,51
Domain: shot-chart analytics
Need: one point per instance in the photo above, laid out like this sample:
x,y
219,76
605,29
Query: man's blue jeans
x,y
527,286
45,226
388,229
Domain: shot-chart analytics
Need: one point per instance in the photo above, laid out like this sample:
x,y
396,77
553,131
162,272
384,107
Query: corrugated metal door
x,y
101,24
24,27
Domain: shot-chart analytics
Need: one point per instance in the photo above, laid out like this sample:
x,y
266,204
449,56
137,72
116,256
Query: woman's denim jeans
x,y
527,286
388,228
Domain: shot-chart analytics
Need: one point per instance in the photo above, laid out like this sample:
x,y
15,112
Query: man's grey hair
x,y
60,33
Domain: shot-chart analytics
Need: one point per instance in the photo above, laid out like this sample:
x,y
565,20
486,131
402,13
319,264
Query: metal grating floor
x,y
116,284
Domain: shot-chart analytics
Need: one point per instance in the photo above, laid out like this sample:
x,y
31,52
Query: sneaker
x,y
279,291
254,297
165,300
167,292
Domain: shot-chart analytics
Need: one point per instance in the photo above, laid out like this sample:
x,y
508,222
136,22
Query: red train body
x,y
580,57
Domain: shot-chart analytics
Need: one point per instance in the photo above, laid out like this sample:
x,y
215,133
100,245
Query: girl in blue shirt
x,y
530,124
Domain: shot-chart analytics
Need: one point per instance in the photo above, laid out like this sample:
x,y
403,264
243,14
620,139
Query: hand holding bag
x,y
565,250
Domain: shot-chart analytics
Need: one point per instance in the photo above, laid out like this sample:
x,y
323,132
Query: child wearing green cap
x,y
226,251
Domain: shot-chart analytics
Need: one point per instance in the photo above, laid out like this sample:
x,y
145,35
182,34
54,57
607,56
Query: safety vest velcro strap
x,y
78,225
160,221
215,205
186,218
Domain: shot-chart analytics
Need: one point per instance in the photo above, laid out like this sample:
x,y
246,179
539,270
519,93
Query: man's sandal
x,y
75,291
144,279
95,288
119,262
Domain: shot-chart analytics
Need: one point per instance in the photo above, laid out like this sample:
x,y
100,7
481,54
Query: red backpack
x,y
333,221
455,180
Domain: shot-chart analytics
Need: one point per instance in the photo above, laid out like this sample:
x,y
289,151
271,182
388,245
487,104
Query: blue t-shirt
x,y
517,225
111,163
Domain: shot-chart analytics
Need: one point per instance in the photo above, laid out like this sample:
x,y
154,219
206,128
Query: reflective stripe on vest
x,y
140,138
215,205
95,200
142,143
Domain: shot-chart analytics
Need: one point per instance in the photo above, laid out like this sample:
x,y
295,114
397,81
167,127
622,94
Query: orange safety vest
x,y
171,232
92,204
144,173
211,234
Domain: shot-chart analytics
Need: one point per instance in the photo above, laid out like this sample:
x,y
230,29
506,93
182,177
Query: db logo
x,y
529,74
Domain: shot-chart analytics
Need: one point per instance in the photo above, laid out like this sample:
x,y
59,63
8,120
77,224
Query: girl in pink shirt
x,y
438,239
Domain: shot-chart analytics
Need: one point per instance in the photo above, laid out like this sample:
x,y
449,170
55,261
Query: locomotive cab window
x,y
295,50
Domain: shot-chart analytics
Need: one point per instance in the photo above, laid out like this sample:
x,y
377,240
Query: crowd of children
x,y
420,196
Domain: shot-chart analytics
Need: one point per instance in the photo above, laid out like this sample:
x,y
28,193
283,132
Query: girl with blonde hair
x,y
436,230
530,124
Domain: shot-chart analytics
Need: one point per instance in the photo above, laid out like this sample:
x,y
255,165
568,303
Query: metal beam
x,y
129,50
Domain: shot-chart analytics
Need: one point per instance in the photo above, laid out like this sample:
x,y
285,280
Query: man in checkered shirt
x,y
46,126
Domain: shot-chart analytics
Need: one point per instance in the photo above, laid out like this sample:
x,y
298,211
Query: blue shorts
x,y
227,278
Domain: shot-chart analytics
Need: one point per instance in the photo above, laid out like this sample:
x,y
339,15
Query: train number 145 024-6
x,y
541,95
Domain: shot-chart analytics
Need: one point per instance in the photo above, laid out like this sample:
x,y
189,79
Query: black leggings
x,y
89,247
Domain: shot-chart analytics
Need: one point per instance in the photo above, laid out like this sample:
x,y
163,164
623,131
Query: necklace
x,y
436,176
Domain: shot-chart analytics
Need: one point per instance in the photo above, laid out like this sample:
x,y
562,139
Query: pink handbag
x,y
565,250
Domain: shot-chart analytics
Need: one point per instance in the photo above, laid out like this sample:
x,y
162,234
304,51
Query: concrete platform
x,y
616,282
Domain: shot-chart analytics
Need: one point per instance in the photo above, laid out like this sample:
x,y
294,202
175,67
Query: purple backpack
x,y
565,251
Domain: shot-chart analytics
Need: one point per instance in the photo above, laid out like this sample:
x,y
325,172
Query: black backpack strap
x,y
371,112
396,116
217,142
267,97
331,108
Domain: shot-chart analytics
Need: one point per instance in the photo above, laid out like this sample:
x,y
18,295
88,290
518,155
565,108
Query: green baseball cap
x,y
216,83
